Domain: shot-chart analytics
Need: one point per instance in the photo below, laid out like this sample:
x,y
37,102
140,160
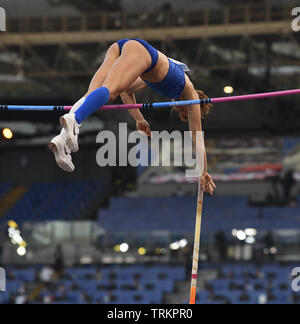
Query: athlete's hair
x,y
205,108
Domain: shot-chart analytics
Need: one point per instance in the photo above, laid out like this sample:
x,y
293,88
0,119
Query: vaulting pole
x,y
196,246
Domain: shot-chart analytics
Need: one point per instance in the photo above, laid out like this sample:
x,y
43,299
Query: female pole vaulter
x,y
131,65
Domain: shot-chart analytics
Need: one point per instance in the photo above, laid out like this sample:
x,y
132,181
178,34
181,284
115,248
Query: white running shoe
x,y
62,153
69,123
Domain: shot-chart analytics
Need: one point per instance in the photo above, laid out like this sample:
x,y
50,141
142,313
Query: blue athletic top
x,y
173,84
152,51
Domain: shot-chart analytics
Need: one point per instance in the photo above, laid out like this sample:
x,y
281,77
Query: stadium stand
x,y
140,284
136,284
222,213
54,201
248,284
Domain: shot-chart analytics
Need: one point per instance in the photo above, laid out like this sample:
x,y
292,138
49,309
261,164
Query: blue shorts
x,y
173,84
152,51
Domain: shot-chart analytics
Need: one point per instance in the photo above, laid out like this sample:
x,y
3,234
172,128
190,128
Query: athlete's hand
x,y
207,183
144,127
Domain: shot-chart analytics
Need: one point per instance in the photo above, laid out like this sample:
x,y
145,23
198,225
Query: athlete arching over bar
x,y
131,66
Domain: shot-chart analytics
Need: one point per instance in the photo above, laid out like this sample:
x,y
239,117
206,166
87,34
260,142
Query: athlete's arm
x,y
128,97
137,85
195,125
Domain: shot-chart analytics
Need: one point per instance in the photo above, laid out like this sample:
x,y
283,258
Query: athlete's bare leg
x,y
133,62
111,56
124,71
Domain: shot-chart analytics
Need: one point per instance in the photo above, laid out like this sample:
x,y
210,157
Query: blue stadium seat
x,y
12,286
222,213
53,201
150,292
280,285
24,274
